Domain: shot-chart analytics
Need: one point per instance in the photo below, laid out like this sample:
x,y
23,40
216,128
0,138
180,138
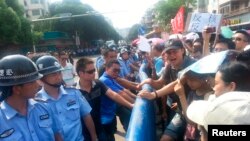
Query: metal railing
x,y
142,122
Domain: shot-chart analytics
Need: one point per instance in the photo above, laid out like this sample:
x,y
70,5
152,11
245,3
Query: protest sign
x,y
197,21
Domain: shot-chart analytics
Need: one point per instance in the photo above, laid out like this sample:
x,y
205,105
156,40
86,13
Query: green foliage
x,y
10,26
166,9
37,36
24,35
16,7
89,27
133,32
14,28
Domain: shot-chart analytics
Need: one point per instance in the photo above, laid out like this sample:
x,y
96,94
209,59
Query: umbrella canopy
x,y
206,65
226,32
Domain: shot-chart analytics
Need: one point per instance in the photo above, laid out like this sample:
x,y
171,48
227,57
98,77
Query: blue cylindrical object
x,y
142,122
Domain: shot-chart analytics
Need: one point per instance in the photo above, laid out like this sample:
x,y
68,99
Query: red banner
x,y
178,21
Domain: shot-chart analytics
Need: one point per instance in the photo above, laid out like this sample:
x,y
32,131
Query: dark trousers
x,y
124,115
108,131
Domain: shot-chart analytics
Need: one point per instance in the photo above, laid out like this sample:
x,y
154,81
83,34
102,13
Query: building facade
x,y
35,8
236,13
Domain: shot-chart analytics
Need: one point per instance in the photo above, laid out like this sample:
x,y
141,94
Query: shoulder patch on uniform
x,y
7,133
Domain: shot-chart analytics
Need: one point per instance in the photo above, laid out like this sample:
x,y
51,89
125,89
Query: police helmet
x,y
48,64
17,69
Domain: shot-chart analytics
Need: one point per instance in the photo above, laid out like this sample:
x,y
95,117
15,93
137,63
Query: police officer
x,y
21,117
67,103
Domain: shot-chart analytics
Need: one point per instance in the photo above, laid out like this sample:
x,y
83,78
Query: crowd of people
x,y
41,99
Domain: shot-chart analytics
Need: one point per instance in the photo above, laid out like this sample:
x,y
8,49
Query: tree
x,y
15,29
15,5
90,27
10,26
133,32
166,10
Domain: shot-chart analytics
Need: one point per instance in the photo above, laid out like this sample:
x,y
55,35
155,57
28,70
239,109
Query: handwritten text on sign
x,y
199,20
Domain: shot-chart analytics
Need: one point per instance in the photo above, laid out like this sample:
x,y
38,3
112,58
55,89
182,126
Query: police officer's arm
x,y
90,126
119,99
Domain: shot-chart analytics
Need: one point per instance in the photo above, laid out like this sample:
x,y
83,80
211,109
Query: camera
x,y
210,29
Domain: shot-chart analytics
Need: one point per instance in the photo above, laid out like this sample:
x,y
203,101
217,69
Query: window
x,y
246,3
235,6
34,1
36,12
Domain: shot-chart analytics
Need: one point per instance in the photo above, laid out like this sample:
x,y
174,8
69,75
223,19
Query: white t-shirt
x,y
68,74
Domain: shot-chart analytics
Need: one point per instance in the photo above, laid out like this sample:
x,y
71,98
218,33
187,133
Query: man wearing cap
x,y
241,38
177,60
21,117
67,103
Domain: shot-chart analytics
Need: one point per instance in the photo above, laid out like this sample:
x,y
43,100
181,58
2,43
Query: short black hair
x,y
82,63
236,72
107,50
245,33
230,44
111,62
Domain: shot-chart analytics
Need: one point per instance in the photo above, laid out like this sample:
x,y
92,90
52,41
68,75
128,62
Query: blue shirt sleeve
x,y
112,85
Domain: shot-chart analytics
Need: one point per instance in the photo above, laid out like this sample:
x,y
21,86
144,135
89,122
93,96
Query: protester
x,y
95,91
177,60
109,108
223,44
234,76
22,117
68,72
231,108
241,38
67,103
200,90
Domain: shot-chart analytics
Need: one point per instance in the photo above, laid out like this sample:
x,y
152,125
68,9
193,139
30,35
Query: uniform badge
x,y
7,133
71,102
43,117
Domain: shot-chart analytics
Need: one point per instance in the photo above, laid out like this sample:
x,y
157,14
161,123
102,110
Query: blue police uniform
x,y
69,108
125,67
38,125
99,62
